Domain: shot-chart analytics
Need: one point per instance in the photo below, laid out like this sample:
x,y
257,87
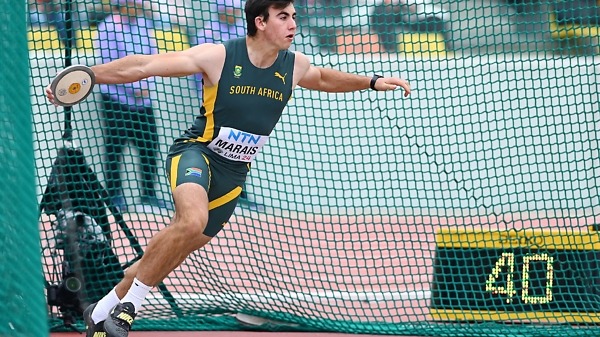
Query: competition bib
x,y
237,145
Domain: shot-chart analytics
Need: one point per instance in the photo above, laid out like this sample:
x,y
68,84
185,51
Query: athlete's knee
x,y
190,233
191,224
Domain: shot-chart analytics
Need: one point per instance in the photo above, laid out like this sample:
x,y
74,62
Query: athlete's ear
x,y
260,22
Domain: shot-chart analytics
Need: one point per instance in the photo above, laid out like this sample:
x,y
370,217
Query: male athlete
x,y
247,84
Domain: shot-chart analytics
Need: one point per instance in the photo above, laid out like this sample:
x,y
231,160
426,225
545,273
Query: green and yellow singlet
x,y
241,110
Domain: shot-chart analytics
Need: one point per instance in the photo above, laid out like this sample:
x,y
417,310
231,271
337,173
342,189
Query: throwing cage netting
x,y
467,209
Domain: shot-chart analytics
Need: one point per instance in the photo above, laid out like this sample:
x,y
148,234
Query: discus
x,y
72,85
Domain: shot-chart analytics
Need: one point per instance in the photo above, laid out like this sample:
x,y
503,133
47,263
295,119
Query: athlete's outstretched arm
x,y
174,64
330,80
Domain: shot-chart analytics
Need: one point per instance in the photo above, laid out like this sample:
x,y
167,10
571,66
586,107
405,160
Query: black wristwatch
x,y
373,80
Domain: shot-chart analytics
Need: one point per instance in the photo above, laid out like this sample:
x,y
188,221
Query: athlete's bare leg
x,y
173,244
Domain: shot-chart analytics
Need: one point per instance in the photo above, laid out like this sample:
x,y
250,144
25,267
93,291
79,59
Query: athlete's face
x,y
281,26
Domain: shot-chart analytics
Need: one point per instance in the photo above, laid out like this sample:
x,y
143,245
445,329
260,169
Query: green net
x,y
467,209
22,305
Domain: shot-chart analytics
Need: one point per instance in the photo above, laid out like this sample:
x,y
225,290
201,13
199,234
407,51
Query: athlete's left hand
x,y
392,83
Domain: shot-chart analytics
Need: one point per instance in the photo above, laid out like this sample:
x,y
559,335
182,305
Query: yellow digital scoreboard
x,y
525,275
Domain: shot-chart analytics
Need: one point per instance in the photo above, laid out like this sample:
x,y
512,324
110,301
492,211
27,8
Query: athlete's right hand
x,y
50,95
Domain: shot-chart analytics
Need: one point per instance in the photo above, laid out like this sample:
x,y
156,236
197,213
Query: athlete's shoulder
x,y
301,60
206,48
204,55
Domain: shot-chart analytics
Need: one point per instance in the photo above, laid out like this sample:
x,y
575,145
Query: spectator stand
x,y
574,24
170,26
417,28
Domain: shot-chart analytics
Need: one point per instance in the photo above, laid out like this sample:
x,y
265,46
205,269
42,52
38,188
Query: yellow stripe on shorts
x,y
225,199
174,167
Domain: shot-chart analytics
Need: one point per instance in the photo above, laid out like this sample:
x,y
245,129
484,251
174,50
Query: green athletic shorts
x,y
192,162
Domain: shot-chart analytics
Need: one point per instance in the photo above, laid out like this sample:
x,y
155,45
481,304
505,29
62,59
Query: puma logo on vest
x,y
278,75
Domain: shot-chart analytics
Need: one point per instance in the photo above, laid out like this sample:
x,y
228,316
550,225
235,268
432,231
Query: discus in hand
x,y
72,85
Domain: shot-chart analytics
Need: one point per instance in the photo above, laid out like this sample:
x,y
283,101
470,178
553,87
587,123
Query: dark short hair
x,y
256,8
